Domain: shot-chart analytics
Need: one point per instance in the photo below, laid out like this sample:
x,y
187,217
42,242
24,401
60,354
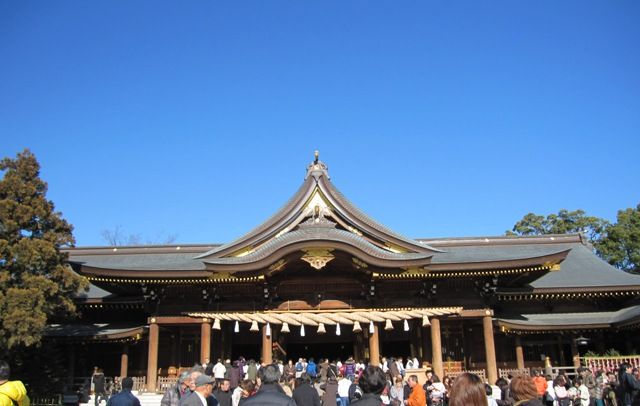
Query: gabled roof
x,y
340,225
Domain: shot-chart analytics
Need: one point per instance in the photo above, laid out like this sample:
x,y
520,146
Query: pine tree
x,y
36,284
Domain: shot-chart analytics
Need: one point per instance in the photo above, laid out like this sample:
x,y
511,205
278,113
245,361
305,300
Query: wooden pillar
x,y
124,360
374,346
267,347
490,348
205,340
519,353
436,348
152,360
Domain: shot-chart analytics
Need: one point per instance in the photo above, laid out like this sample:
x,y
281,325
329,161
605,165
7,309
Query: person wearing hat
x,y
201,396
173,395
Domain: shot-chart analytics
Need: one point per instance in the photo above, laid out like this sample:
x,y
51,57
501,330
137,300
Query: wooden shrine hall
x,y
322,279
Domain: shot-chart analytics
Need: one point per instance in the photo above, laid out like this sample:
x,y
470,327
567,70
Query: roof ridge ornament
x,y
317,168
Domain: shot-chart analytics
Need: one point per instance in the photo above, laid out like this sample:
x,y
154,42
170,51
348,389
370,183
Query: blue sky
x,y
197,119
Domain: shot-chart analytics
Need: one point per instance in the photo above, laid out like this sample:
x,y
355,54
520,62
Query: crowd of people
x,y
336,383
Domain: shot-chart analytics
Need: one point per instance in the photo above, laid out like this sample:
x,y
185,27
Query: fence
x,y
480,372
504,373
55,400
139,383
609,363
164,383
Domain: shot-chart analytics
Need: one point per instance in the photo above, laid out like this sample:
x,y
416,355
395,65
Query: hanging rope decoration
x,y
320,319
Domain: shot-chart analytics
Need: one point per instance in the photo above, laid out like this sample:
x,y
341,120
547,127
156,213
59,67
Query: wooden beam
x,y
436,347
490,349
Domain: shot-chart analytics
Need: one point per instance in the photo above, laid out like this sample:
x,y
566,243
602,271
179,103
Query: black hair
x,y
487,389
127,383
501,383
372,380
269,374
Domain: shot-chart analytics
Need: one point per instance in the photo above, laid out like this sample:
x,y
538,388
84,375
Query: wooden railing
x,y
139,383
54,400
609,363
164,383
504,373
480,372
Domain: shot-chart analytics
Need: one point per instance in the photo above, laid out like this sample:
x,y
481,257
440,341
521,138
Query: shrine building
x,y
322,279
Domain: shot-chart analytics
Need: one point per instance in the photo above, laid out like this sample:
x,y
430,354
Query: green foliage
x,y
621,243
43,371
611,352
35,282
618,244
562,223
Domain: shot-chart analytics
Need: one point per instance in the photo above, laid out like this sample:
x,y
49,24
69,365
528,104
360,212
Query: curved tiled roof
x,y
373,225
322,235
292,209
280,218
559,320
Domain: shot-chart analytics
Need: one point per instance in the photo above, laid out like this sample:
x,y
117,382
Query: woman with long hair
x,y
524,392
467,390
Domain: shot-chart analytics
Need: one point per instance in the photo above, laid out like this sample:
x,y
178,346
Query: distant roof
x,y
565,320
94,332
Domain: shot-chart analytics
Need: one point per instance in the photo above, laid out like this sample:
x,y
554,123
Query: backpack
x,y
299,366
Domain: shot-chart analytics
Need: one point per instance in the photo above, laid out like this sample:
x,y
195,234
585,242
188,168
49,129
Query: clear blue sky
x,y
197,118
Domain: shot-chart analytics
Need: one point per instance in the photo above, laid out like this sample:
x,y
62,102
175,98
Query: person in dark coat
x,y
223,393
235,375
393,367
372,382
173,395
628,386
330,389
125,397
305,394
270,393
99,385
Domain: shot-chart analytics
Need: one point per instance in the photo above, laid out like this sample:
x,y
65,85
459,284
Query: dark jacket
x,y
124,398
269,394
628,388
330,392
368,399
235,375
306,395
99,383
171,396
355,392
224,398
